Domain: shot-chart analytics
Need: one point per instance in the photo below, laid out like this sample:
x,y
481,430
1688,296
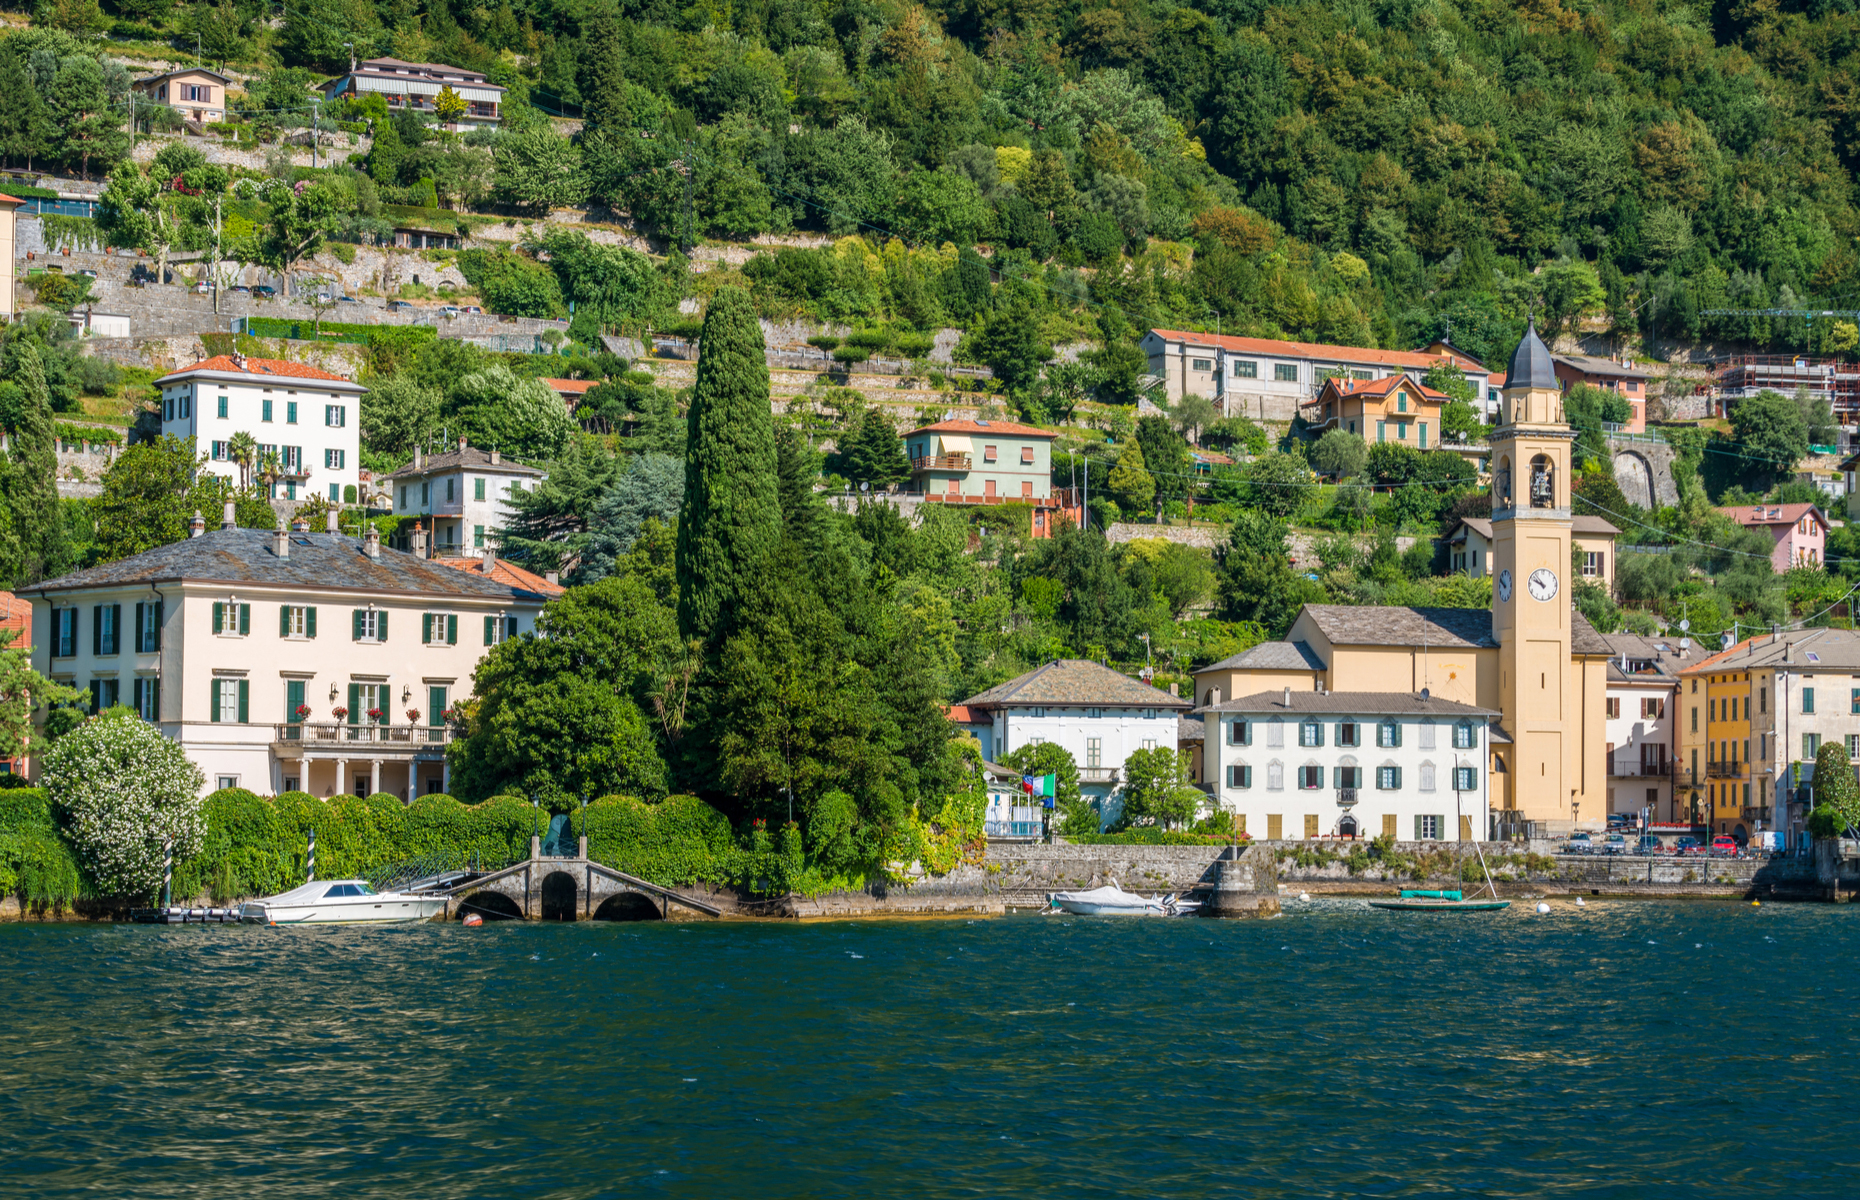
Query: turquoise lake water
x,y
1629,1049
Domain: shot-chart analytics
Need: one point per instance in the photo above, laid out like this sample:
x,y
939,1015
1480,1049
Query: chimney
x,y
1288,697
228,518
461,443
1175,689
197,526
299,525
281,541
331,521
419,457
550,575
497,456
371,543
490,560
418,539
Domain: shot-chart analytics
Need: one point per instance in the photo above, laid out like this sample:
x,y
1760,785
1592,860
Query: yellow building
x,y
1532,656
1395,409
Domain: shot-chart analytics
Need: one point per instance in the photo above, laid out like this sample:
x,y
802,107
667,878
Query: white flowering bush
x,y
122,790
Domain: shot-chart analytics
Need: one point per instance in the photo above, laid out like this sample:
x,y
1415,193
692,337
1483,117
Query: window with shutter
x,y
213,700
293,700
219,616
284,621
245,619
436,705
490,631
510,627
245,701
452,629
1427,735
310,621
1426,781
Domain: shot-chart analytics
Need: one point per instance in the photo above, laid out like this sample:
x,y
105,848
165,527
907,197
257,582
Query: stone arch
x,y
1347,826
1543,492
628,906
560,896
1634,475
492,906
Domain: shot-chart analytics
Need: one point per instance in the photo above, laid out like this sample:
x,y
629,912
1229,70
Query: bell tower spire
x,y
1531,616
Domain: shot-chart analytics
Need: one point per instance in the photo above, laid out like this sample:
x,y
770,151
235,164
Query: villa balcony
x,y
943,462
294,739
1634,768
1098,774
1726,770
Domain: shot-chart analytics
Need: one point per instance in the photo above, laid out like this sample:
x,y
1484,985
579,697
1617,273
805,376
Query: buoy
x,y
471,920
1756,904
1581,903
1542,908
1304,895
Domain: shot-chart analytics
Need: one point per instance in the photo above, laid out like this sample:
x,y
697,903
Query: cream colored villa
x,y
1531,658
287,660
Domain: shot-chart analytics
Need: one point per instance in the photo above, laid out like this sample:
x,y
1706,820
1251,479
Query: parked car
x,y
1617,820
347,300
241,289
1725,846
265,291
1578,843
1648,844
400,306
202,289
450,310
471,308
88,271
1614,843
1688,845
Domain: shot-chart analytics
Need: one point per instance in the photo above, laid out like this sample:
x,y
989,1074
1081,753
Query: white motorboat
x,y
1114,901
340,902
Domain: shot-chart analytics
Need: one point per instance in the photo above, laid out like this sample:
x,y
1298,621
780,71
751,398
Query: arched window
x,y
1504,481
1543,482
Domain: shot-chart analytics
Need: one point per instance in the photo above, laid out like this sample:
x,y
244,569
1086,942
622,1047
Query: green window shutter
x,y
155,697
284,620
116,628
1336,777
357,614
435,706
1395,778
490,629
1395,735
510,627
293,699
96,695
381,626
219,616
245,701
1417,827
310,621
426,628
213,698
138,642
245,619
355,704
160,607
452,629
135,695
383,697
96,629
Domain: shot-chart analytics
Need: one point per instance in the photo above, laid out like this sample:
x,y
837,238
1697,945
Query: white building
x,y
465,494
263,653
1640,710
1350,764
310,419
1099,716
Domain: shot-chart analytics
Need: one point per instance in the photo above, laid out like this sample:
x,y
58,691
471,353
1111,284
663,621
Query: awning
x,y
953,443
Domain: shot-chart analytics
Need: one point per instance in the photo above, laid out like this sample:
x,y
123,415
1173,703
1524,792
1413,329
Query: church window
x,y
1543,482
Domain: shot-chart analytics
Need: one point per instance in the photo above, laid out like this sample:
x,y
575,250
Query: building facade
x,y
1392,409
1297,764
1619,376
1800,530
1469,549
1641,711
9,210
1099,716
416,87
310,420
283,661
1270,380
194,93
963,461
463,493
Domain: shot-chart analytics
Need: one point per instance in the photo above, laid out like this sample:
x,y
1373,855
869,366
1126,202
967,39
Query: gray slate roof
x,y
317,562
1270,656
1346,703
1590,364
1076,681
1834,650
1464,628
470,458
1662,653
1189,729
1531,365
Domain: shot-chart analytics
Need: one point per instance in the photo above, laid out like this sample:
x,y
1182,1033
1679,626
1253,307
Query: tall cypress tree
x,y
602,78
31,486
731,515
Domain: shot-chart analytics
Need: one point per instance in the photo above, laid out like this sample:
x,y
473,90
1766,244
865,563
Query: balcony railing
x,y
1632,768
942,462
1346,797
330,735
1097,774
1725,770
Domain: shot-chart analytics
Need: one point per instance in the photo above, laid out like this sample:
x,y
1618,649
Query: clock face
x,y
1543,584
1504,585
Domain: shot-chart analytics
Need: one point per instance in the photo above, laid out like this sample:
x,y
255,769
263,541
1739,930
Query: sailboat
x,y
1431,900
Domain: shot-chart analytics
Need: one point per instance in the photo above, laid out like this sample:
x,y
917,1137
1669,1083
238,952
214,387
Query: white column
x,y
340,764
445,776
374,779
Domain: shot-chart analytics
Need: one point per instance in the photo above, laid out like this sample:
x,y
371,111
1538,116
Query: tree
x,y
153,488
24,691
1130,481
124,792
603,80
1257,582
300,219
449,106
549,530
1339,454
80,105
875,454
27,129
30,484
1770,435
730,517
1276,484
1837,795
1596,494
1120,361
1165,456
537,169
521,417
1156,789
651,489
1009,343
1192,414
398,414
559,715
1074,816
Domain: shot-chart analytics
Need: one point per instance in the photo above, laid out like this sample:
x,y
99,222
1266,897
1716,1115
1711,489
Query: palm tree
x,y
270,470
244,450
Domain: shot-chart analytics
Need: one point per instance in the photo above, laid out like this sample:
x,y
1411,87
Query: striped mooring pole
x,y
310,860
167,872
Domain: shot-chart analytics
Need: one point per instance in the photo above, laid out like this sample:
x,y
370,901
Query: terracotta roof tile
x,y
965,425
1245,345
1761,514
505,571
259,367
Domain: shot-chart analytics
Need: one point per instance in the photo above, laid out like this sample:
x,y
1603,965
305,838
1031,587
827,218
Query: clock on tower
x,y
1530,610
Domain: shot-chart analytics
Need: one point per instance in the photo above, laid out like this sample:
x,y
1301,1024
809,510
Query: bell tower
x,y
1531,591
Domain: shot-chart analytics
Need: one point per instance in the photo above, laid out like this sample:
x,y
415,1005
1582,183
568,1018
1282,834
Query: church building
x,y
1523,683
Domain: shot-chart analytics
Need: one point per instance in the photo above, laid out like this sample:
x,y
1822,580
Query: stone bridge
x,y
570,889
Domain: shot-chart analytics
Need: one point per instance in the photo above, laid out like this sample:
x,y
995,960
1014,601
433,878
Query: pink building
x,y
1617,376
1800,530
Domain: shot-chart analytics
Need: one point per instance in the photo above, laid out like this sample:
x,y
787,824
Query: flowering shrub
x,y
303,712
340,713
375,715
413,716
123,789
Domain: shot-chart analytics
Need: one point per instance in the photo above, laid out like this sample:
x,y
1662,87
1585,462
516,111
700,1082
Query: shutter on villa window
x,y
140,647
284,620
426,628
135,695
245,619
96,629
116,628
356,712
96,695
490,630
219,616
155,697
384,696
1336,777
213,697
1395,778
510,627
310,622
160,608
381,626
357,615
452,629
245,701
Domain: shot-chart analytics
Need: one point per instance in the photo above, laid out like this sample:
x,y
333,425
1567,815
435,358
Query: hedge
x,y
36,863
331,331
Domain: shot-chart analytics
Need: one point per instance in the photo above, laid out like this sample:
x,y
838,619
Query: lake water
x,y
1629,1049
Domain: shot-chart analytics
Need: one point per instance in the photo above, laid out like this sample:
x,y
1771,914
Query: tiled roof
x,y
1440,628
453,460
1323,350
1582,636
504,571
1378,387
1663,654
16,616
1590,364
577,386
317,561
5,199
260,367
965,425
1366,703
1270,656
1769,514
1834,650
959,714
1075,681
184,71
1189,729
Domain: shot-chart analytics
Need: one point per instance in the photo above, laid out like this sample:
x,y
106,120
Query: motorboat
x,y
340,902
1114,901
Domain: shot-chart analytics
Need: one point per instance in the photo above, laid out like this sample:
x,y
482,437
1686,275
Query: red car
x,y
1725,845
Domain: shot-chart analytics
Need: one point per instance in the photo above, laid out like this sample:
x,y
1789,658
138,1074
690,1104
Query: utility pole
x,y
132,123
316,119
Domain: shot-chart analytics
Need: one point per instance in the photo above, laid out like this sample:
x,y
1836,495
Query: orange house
x,y
1395,409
